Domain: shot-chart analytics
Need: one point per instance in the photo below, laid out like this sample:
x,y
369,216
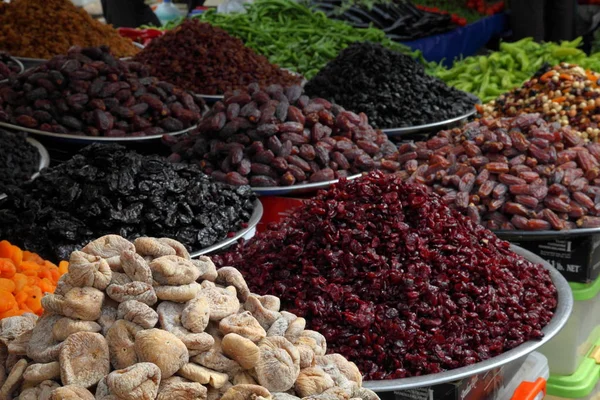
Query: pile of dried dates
x,y
280,137
142,320
89,92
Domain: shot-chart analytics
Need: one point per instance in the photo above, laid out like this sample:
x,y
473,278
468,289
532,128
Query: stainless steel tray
x,y
92,139
562,313
428,127
44,159
21,67
551,235
297,189
254,220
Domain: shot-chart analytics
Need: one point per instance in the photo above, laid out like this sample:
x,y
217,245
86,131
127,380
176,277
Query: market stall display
x,y
89,93
207,60
293,36
491,75
280,137
9,67
565,93
107,189
400,20
140,36
391,88
396,281
510,173
19,160
176,328
24,279
44,29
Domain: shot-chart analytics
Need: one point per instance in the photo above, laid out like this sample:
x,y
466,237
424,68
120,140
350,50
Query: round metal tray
x,y
297,189
92,139
44,159
428,127
562,313
559,235
21,67
244,233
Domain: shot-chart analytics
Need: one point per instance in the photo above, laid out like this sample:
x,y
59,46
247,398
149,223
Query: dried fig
x,y
175,388
121,339
207,268
161,348
202,375
244,324
43,348
110,248
246,392
42,372
136,290
84,359
138,313
66,326
72,392
230,276
137,382
88,270
152,247
312,381
222,302
136,267
178,294
173,270
80,303
240,349
278,366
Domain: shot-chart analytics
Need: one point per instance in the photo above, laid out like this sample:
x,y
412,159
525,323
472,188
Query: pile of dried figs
x,y
142,320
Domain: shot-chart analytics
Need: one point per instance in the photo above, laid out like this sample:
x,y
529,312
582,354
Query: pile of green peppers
x,y
489,76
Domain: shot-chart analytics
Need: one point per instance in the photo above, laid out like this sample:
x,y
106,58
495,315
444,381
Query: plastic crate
x,y
583,384
529,383
567,349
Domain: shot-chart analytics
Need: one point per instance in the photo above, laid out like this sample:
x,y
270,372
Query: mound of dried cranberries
x,y
396,281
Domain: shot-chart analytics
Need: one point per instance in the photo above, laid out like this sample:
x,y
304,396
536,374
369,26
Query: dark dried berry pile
x,y
391,88
106,189
396,281
89,92
19,160
207,60
279,137
511,173
8,67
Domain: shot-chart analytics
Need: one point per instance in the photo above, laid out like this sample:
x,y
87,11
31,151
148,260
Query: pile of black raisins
x,y
391,88
19,160
107,189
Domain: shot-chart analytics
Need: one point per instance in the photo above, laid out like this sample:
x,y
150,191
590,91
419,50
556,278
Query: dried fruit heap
x,y
8,67
142,321
24,279
511,173
565,93
19,160
44,29
89,92
391,88
396,281
207,60
279,137
106,189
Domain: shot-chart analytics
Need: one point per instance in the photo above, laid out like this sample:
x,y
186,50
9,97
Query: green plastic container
x,y
583,384
567,349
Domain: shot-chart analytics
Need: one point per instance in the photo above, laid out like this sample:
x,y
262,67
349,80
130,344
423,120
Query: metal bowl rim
x,y
561,315
515,234
427,127
279,190
93,139
19,63
44,159
252,222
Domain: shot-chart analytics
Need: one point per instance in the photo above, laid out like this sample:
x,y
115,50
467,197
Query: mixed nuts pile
x,y
565,93
142,320
281,137
89,92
